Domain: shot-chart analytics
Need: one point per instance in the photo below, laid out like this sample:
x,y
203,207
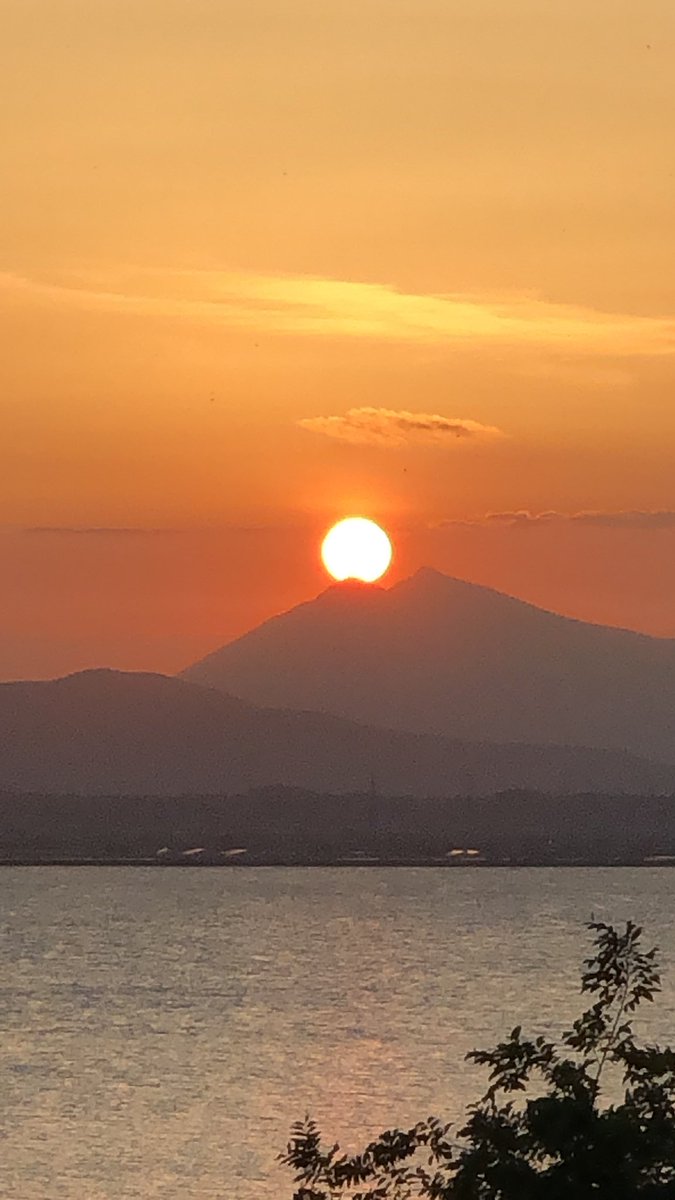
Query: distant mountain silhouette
x,y
107,732
438,655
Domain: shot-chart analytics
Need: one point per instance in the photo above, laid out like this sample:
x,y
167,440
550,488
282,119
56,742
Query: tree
x,y
541,1131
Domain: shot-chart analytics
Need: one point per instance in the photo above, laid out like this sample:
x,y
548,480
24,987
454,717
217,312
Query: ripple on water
x,y
161,1029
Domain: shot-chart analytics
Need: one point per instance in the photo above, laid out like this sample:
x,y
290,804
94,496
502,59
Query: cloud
x,y
632,519
390,428
627,519
310,306
95,531
131,531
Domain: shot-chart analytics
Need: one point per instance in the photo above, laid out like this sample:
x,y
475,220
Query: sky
x,y
266,264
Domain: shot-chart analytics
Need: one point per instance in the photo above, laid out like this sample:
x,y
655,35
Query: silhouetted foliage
x,y
541,1130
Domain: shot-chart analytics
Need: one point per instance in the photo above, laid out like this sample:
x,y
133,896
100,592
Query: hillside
x,y
437,655
107,732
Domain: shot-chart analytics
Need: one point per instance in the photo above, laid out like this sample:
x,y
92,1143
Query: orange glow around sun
x,y
356,548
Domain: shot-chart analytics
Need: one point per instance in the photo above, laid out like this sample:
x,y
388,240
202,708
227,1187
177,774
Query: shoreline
x,y
350,864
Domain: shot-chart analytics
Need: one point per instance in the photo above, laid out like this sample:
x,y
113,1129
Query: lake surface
x,y
160,1029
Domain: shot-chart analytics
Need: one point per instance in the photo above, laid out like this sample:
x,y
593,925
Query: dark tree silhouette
x,y
541,1131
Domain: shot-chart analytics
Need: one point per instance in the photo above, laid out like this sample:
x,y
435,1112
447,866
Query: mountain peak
x,y
427,573
428,577
351,587
104,679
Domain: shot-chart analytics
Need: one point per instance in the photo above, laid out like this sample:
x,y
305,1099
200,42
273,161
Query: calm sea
x,y
160,1029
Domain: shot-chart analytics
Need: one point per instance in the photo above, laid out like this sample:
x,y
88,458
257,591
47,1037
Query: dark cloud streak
x,y
95,531
522,519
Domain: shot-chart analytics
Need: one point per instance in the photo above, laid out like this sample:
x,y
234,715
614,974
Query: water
x,y
160,1029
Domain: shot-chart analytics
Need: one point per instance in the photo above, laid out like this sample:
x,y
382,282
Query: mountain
x,y
438,655
108,732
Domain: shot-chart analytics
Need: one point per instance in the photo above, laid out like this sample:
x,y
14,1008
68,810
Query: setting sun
x,y
356,548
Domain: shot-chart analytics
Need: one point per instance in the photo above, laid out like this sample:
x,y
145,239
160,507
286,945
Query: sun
x,y
356,548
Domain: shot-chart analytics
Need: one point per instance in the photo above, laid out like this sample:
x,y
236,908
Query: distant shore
x,y
361,864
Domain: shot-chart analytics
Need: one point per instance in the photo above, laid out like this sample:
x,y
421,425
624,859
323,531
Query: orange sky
x,y
264,264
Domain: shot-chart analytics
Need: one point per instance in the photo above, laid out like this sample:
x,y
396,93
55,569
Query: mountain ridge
x,y
434,654
106,732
